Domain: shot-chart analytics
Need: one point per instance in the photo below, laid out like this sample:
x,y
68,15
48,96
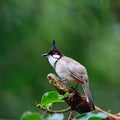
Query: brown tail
x,y
89,96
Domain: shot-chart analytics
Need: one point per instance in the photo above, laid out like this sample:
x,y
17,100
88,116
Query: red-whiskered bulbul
x,y
70,70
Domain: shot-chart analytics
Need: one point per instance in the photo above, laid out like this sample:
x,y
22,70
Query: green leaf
x,y
50,97
56,117
66,94
31,116
91,116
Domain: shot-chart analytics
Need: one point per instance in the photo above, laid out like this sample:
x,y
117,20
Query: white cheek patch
x,y
56,56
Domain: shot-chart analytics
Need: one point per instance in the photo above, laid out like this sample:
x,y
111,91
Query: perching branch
x,y
75,100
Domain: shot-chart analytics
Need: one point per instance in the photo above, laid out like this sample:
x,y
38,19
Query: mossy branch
x,y
75,100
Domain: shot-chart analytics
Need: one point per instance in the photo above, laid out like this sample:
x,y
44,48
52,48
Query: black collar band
x,y
56,62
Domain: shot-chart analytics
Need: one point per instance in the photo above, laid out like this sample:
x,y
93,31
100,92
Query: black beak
x,y
46,54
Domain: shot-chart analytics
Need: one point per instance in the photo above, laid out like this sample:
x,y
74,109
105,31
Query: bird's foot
x,y
75,87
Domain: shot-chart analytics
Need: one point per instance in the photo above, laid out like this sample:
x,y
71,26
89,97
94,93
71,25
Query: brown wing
x,y
78,71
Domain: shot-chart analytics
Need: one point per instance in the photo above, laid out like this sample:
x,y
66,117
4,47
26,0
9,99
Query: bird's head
x,y
54,54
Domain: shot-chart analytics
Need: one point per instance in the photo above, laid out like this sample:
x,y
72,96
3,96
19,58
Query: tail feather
x,y
88,95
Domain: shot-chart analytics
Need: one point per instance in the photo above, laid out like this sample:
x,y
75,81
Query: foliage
x,y
88,116
91,116
31,116
50,98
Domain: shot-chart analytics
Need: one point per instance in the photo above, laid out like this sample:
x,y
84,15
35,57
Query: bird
x,y
69,70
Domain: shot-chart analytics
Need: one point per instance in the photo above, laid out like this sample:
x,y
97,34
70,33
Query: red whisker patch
x,y
56,53
79,82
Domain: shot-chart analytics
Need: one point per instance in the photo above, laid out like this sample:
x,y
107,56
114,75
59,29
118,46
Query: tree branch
x,y
75,100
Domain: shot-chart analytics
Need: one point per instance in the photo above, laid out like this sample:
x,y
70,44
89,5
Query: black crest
x,y
53,50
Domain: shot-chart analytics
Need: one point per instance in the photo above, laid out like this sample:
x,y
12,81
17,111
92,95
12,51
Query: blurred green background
x,y
86,30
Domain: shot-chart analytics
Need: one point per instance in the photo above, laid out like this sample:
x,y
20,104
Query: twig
x,y
110,116
52,111
70,115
